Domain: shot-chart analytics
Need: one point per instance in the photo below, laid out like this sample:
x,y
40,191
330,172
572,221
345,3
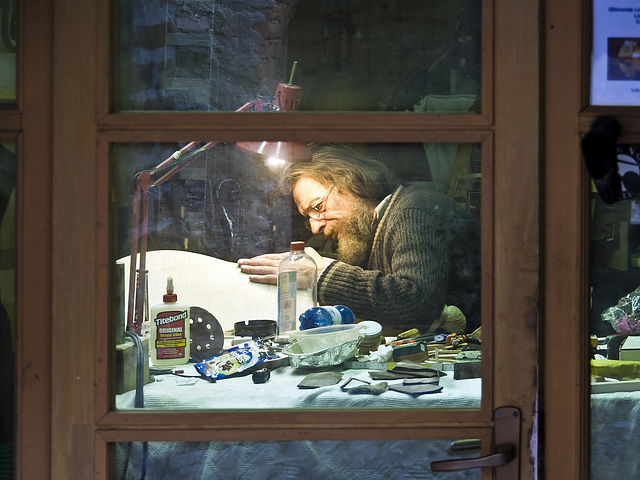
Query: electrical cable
x,y
138,403
139,399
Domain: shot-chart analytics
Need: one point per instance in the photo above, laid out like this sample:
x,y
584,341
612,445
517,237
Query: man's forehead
x,y
306,190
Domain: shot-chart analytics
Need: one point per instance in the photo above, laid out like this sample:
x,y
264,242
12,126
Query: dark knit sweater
x,y
425,255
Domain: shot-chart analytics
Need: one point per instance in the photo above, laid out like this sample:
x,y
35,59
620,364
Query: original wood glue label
x,y
171,339
170,336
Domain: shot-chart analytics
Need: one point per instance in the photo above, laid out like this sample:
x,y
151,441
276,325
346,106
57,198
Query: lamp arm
x,y
137,284
183,157
155,177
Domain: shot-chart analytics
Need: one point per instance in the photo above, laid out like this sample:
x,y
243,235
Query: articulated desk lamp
x,y
286,98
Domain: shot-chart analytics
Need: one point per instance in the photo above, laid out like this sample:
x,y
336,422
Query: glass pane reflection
x,y
8,48
410,56
227,205
7,303
615,278
326,460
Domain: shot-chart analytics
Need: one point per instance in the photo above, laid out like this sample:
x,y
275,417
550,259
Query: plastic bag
x,y
624,317
236,360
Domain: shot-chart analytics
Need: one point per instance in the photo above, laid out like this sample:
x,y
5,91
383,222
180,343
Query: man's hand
x,y
321,262
263,268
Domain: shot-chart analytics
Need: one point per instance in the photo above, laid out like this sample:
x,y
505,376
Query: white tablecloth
x,y
615,432
615,435
292,460
281,391
322,460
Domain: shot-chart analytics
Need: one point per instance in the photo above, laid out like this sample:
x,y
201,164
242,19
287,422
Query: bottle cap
x,y
297,246
169,297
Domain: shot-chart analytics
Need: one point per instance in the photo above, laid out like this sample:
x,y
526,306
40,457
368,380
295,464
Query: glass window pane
x,y
212,55
326,460
394,231
7,303
615,329
8,48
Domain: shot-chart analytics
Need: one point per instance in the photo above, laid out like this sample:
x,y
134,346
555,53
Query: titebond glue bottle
x,y
170,330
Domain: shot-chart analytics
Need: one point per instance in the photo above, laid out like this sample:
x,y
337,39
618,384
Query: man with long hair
x,y
403,253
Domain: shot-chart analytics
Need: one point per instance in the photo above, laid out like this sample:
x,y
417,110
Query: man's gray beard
x,y
355,244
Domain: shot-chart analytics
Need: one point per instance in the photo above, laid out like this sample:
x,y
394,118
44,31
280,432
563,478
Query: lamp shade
x,y
294,152
286,99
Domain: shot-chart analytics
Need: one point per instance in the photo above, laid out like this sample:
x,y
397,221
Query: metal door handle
x,y
506,433
504,454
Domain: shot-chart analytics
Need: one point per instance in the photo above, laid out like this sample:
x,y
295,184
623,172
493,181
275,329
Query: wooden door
x,y
82,422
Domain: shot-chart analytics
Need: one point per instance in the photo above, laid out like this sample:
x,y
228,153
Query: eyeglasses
x,y
317,209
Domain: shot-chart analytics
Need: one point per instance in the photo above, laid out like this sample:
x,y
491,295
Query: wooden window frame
x,y
305,127
61,406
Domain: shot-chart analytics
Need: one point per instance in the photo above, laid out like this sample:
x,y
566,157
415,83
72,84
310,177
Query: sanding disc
x,y
207,337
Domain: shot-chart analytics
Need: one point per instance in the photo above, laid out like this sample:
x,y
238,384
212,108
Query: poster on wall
x,y
615,62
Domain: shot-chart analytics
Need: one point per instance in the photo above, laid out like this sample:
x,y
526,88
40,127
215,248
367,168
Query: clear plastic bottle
x,y
170,330
297,282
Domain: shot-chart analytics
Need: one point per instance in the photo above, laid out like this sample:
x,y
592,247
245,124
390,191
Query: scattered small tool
x,y
415,370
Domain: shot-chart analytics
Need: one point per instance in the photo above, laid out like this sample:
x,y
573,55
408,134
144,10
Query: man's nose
x,y
316,226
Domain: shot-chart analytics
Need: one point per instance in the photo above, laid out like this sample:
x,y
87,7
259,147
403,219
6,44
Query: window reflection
x,y
615,239
352,55
7,302
8,47
396,240
615,307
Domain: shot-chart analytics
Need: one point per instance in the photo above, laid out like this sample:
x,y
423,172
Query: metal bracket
x,y
506,459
